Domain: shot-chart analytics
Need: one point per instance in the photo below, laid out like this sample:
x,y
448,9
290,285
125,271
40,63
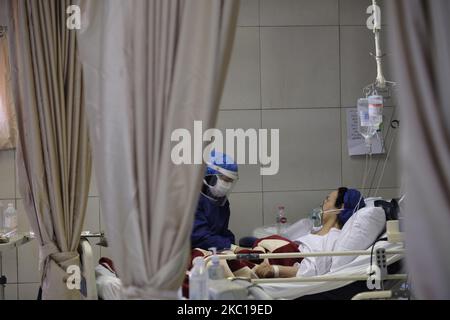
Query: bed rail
x,y
262,256
381,252
344,278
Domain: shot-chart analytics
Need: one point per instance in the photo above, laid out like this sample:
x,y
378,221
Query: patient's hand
x,y
239,249
236,249
265,270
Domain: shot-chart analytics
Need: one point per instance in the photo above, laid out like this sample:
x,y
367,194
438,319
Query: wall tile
x,y
11,292
28,291
300,67
299,12
298,204
7,169
246,213
249,174
9,262
242,85
309,149
353,167
248,13
28,263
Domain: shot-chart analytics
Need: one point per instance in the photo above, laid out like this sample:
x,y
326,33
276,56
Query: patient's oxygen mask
x,y
316,217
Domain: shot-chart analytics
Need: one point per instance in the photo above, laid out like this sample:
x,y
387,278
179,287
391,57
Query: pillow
x,y
359,233
370,202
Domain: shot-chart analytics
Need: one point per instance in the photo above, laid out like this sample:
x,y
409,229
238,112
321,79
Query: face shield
x,y
219,185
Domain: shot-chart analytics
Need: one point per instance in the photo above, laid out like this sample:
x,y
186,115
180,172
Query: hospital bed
x,y
343,282
88,286
353,273
386,254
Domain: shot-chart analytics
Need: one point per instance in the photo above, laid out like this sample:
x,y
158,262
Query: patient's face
x,y
329,204
330,201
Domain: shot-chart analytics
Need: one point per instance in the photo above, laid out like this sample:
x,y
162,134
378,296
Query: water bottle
x,y
281,220
10,221
198,280
375,111
365,127
215,271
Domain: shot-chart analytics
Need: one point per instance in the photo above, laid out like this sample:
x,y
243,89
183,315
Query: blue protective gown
x,y
211,225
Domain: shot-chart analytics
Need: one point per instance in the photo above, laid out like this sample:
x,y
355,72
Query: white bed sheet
x,y
357,267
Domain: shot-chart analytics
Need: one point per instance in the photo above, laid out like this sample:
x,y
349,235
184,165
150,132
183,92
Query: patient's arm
x,y
266,270
288,272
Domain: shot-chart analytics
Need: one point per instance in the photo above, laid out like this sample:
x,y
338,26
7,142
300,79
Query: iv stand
x,y
381,85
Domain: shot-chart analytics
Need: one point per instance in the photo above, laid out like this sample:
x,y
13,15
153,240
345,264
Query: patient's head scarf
x,y
352,199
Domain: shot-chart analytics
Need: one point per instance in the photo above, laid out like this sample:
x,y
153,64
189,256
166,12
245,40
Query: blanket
x,y
245,268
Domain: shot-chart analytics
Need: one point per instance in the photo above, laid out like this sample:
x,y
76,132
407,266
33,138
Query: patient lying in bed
x,y
341,231
337,209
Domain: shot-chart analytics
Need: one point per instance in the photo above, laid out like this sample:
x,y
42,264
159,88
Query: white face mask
x,y
221,188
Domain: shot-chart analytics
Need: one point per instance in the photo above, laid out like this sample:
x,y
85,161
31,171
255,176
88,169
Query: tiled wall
x,y
21,266
296,66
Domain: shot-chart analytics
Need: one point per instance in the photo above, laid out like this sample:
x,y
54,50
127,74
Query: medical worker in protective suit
x,y
213,210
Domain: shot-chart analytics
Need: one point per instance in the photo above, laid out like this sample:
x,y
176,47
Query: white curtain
x,y
8,124
421,44
151,66
53,153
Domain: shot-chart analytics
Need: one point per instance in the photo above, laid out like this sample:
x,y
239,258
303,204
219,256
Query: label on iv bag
x,y
365,119
355,141
375,114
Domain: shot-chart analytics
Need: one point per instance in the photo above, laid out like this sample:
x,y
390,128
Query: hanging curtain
x,y
151,66
422,63
8,124
53,155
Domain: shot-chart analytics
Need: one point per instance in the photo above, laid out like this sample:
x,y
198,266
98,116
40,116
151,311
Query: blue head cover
x,y
352,199
219,161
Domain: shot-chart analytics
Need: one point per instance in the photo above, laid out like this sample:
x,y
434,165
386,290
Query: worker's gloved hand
x,y
265,270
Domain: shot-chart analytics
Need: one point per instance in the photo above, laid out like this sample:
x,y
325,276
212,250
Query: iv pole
x,y
381,85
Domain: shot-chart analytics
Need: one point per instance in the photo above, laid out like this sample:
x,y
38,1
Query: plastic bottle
x,y
10,220
281,220
215,271
365,127
198,280
375,111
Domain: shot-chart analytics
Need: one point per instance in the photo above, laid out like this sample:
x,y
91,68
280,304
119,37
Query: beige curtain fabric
x,y
421,43
151,66
53,156
8,124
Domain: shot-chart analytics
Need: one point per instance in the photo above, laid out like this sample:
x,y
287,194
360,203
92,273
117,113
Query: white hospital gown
x,y
314,266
